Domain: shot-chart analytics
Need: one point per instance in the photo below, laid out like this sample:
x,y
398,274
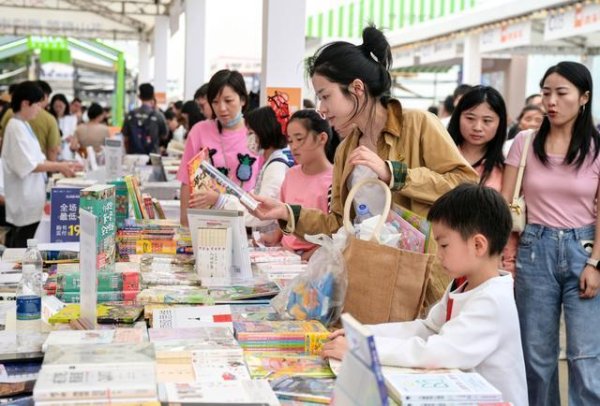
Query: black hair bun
x,y
375,43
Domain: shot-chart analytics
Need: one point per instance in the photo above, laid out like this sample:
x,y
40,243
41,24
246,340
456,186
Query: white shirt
x,y
67,125
268,184
24,190
482,334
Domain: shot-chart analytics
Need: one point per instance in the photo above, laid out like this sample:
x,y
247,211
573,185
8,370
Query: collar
x,y
393,125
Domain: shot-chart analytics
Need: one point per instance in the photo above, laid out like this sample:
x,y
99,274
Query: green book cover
x,y
100,201
121,201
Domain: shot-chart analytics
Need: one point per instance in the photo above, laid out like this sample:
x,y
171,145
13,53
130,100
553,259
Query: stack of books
x,y
86,373
106,314
111,287
152,237
287,336
143,205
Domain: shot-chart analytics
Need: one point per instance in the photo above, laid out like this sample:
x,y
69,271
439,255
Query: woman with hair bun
x,y
409,150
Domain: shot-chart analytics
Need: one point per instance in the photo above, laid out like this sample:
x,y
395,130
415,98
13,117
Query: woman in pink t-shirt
x,y
225,139
307,184
557,260
478,127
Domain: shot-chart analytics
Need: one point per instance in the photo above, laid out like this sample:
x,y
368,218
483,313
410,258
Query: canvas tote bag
x,y
384,283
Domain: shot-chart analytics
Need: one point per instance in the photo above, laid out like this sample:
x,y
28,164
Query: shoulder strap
x,y
522,163
282,160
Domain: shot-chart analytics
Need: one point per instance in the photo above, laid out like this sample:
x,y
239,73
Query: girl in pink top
x,y
558,259
478,127
225,139
311,140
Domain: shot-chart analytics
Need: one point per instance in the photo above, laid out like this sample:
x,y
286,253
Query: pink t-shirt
x,y
494,179
228,152
557,195
308,191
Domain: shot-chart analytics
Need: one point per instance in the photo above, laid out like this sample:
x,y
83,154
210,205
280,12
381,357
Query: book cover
x,y
129,354
148,206
199,179
242,392
121,201
186,342
211,366
239,292
196,316
100,201
273,365
107,314
447,387
302,388
289,336
135,204
64,214
418,222
84,381
119,335
360,377
175,295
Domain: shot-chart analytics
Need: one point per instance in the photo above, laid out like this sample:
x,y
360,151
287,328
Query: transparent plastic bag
x,y
318,293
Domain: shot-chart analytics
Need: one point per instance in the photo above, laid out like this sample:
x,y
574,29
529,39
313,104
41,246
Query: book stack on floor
x,y
97,374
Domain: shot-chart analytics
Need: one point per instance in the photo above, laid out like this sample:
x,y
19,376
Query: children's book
x,y
418,222
199,179
242,392
196,316
287,336
273,365
441,387
304,389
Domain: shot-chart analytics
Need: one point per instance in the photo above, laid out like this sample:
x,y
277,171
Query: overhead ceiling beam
x,y
106,12
78,33
124,8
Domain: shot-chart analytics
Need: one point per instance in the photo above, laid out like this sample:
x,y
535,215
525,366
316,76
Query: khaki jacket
x,y
415,138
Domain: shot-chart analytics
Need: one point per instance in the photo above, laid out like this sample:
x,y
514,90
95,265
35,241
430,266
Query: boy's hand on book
x,y
203,198
336,348
269,209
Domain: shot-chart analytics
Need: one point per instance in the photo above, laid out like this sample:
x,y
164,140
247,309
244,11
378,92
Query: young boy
x,y
475,325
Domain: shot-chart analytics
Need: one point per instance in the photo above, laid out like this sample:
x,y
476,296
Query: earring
x,y
582,108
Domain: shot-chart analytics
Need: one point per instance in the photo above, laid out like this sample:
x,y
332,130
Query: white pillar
x,y
515,85
143,61
471,60
283,55
196,68
161,38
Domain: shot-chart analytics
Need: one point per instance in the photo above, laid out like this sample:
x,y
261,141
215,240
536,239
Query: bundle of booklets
x,y
111,287
285,335
157,270
143,205
139,237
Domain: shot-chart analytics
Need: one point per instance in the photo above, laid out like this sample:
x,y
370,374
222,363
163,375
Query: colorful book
x,y
133,200
107,314
273,365
287,336
100,201
121,201
175,295
107,282
252,290
148,205
158,209
230,187
199,179
304,389
418,222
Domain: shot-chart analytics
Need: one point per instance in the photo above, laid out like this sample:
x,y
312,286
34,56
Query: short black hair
x,y
76,99
201,92
12,87
26,91
449,104
45,87
178,104
471,209
529,98
170,115
263,122
94,111
461,90
146,91
60,97
191,108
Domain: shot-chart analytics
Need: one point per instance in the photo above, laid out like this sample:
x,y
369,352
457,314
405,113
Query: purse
x,y
384,283
517,206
